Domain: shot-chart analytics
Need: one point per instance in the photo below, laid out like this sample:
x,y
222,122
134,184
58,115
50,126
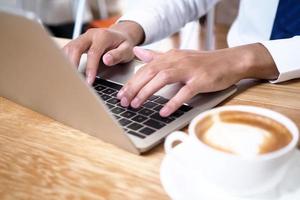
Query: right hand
x,y
114,45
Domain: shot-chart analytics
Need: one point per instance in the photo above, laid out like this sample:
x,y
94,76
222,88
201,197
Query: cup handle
x,y
177,136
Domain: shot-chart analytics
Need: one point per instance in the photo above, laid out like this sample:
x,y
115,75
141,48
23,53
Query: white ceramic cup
x,y
235,174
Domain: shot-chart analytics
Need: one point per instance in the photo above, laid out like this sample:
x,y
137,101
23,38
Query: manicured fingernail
x,y
120,94
108,59
124,102
136,102
165,111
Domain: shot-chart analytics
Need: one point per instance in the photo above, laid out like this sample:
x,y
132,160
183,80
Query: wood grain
x,y
282,97
43,159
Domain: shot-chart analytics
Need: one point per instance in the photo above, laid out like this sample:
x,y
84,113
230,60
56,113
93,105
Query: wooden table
x,y
43,159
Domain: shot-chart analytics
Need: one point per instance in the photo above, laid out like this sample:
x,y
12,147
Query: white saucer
x,y
177,182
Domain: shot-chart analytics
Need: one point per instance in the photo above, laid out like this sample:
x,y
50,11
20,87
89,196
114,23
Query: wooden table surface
x,y
43,159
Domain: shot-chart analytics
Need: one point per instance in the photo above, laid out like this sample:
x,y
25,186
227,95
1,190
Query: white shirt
x,y
254,23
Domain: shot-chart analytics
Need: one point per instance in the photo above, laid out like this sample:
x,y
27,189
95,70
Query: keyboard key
x,y
117,117
105,97
167,120
119,105
100,88
147,131
134,109
161,100
117,110
128,114
108,91
124,122
113,101
114,94
134,126
157,108
177,114
185,108
110,106
150,104
108,83
146,112
136,134
139,118
154,124
153,97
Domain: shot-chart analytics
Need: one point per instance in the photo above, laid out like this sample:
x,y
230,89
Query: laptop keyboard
x,y
140,122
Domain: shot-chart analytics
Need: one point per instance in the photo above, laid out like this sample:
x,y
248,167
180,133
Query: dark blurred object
x,y
64,30
203,20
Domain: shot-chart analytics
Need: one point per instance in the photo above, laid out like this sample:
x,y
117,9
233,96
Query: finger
x,y
144,54
183,95
131,88
162,79
94,54
76,48
121,54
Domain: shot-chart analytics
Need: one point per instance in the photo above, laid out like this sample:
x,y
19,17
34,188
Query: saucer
x,y
178,185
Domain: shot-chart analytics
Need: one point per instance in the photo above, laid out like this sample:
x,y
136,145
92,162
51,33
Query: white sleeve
x,y
160,18
285,53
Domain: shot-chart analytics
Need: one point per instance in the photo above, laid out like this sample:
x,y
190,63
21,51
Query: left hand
x,y
198,71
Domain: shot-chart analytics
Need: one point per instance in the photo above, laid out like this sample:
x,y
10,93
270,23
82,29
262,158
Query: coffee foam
x,y
242,133
238,139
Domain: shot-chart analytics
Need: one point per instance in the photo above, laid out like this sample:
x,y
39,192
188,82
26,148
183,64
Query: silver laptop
x,y
35,73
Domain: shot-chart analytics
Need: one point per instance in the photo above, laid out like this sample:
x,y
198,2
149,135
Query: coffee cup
x,y
240,150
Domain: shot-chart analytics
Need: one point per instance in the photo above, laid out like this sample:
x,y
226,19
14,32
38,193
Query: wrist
x,y
132,31
256,62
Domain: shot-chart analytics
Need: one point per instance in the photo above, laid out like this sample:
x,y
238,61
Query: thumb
x,y
145,55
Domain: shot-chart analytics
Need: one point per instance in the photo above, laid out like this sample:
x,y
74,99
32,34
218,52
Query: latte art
x,y
243,133
236,138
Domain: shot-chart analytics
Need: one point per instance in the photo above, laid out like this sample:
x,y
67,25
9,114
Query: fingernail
x,y
124,102
108,59
165,111
89,79
120,94
136,102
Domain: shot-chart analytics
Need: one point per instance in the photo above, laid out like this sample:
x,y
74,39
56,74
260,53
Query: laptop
x,y
35,73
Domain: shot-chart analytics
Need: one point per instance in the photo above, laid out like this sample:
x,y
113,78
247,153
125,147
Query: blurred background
x,y
69,18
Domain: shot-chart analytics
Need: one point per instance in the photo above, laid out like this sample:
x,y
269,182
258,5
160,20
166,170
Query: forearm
x,y
133,31
275,60
254,61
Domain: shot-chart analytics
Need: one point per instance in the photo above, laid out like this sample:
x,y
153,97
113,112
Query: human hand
x,y
199,72
114,45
